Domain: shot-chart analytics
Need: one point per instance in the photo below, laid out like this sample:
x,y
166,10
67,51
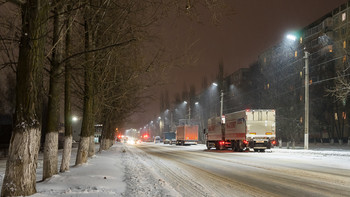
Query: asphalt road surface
x,y
195,171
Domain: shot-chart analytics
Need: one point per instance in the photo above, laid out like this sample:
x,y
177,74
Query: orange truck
x,y
243,130
186,134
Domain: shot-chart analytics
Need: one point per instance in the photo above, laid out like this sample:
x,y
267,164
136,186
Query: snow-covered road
x,y
150,169
160,170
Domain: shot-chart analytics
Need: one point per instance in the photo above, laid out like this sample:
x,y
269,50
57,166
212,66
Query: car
x,y
172,141
157,139
166,141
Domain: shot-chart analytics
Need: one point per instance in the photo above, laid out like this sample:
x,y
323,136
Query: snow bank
x,y
101,176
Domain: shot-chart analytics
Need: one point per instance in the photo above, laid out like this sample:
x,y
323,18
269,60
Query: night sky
x,y
238,40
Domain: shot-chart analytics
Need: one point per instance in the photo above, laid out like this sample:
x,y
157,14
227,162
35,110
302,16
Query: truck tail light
x,y
273,142
222,143
245,142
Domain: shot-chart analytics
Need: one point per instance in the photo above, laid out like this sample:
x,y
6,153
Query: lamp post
x,y
221,102
306,127
306,138
221,111
221,105
189,111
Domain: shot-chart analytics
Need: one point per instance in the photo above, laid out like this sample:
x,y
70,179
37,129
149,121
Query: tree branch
x,y
99,49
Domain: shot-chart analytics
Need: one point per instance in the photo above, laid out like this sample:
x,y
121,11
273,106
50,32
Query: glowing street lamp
x,y
74,118
306,128
291,37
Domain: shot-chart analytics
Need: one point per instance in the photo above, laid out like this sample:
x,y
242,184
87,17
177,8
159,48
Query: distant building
x,y
282,78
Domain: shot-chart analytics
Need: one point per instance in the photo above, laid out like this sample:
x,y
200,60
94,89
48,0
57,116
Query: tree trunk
x,y
83,149
104,136
67,149
50,164
50,155
92,146
20,175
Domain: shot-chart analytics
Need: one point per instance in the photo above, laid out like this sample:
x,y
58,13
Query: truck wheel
x,y
238,146
233,145
208,147
217,147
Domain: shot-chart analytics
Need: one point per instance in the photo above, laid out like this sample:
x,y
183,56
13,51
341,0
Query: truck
x,y
186,134
169,137
251,129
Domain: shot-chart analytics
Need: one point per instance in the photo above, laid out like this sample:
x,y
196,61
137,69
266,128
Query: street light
x,y
306,127
306,138
221,102
189,111
291,37
74,118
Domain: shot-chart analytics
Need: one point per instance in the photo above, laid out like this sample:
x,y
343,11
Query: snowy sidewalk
x,y
102,176
325,149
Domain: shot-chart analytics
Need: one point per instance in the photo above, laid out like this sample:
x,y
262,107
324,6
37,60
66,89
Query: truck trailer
x,y
186,134
247,129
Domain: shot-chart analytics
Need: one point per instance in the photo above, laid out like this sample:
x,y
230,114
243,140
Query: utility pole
x,y
221,113
221,104
306,138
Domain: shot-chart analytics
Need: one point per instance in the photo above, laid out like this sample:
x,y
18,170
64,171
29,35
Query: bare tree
x,y
51,136
20,175
67,148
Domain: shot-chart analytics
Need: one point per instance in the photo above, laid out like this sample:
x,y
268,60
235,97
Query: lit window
x,y
310,82
301,119
301,98
301,40
330,47
344,115
343,17
344,58
335,116
301,74
296,54
344,44
268,86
